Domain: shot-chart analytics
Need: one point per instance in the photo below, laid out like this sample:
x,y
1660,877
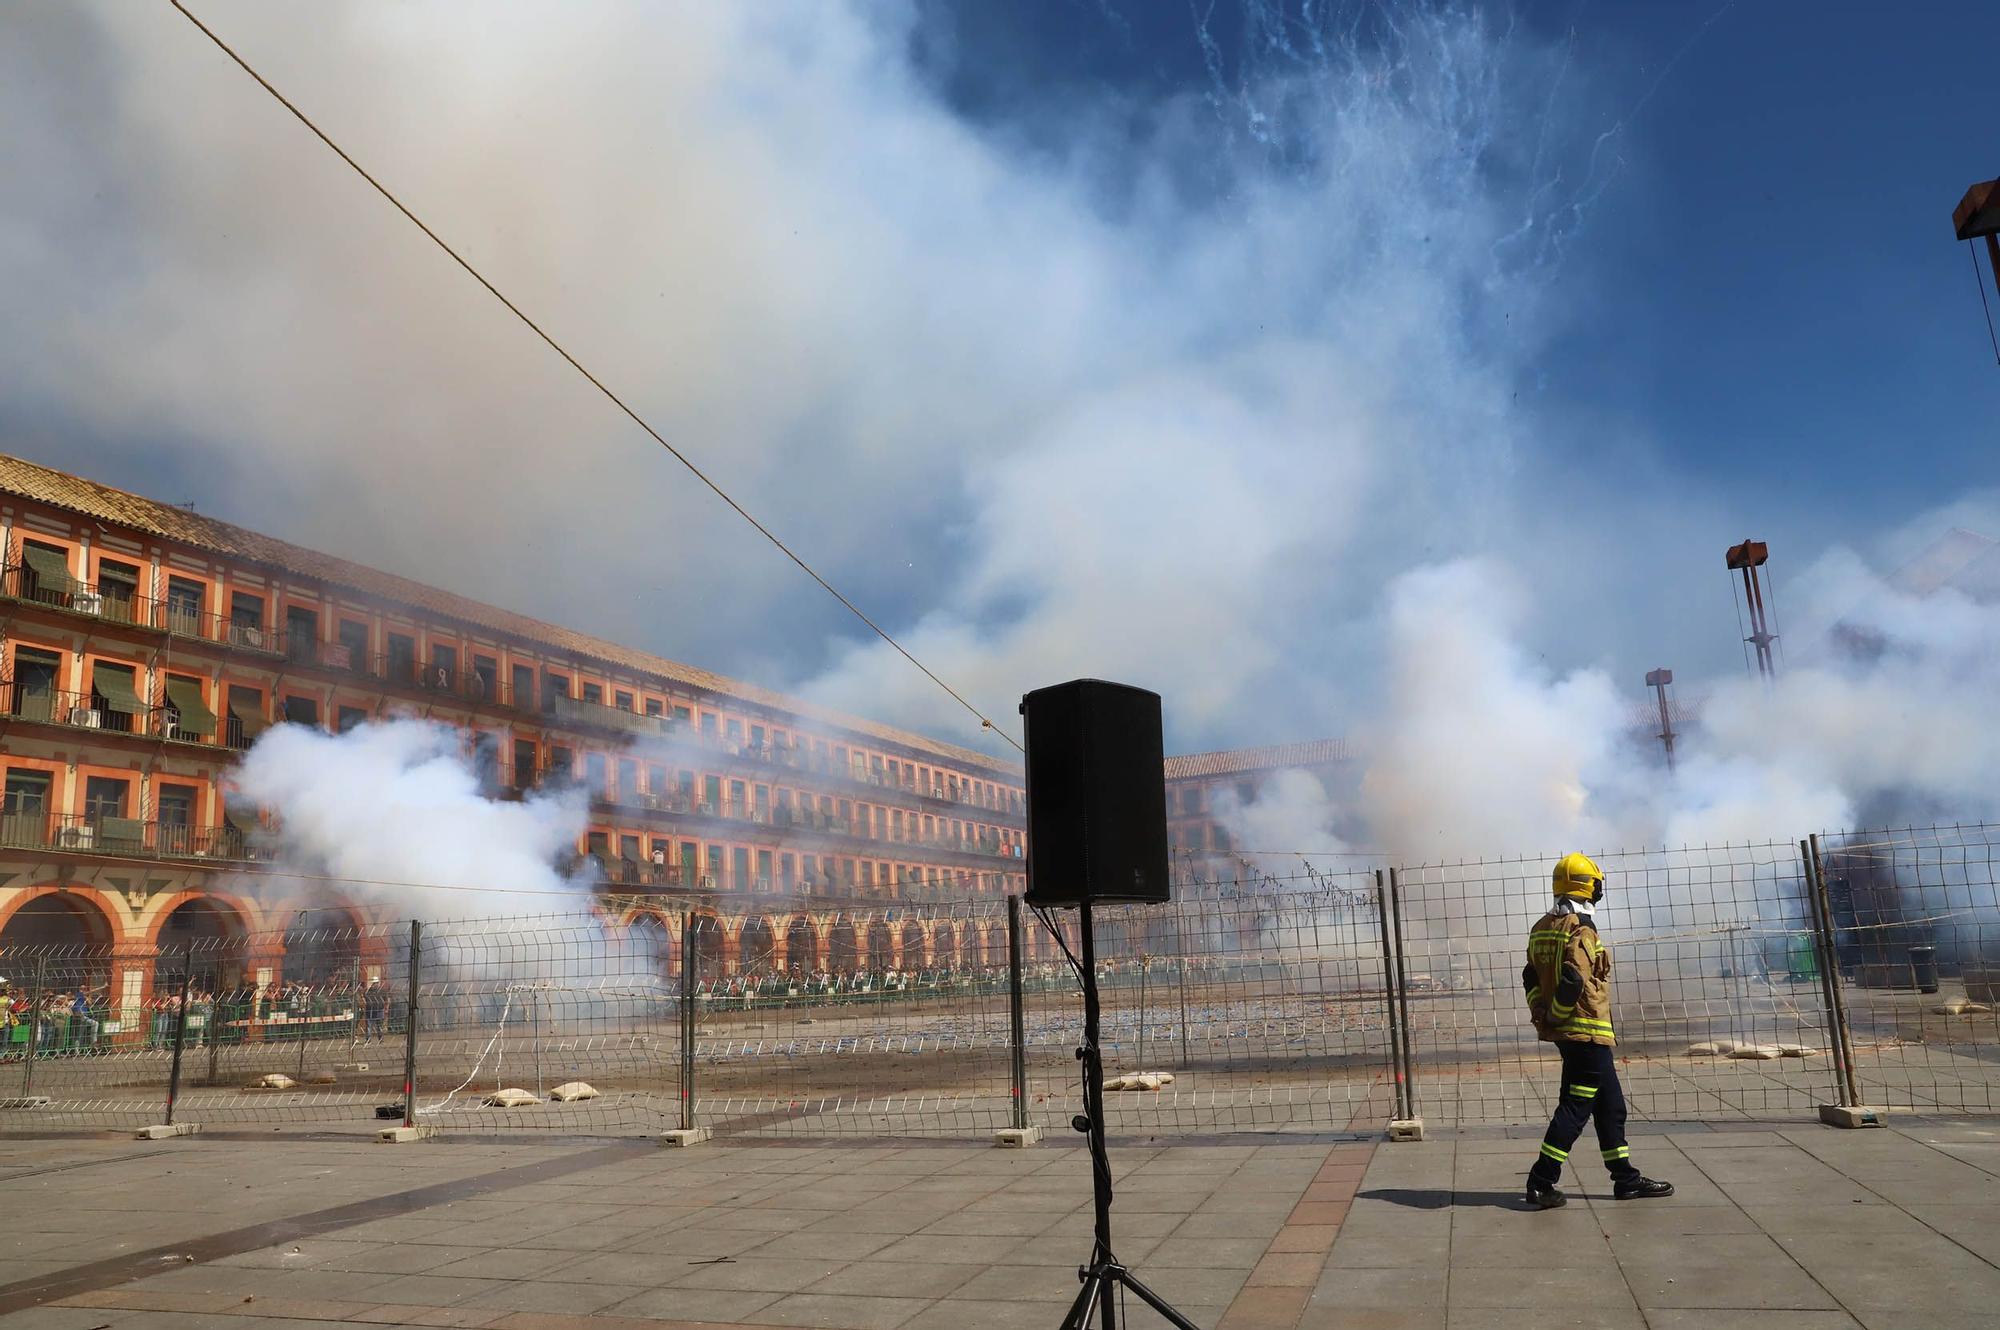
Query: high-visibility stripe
x,y
1616,1153
1534,995
1584,1091
1550,1152
1587,1024
1561,1010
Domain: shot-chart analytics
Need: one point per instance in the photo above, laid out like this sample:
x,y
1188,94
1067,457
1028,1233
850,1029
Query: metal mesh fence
x,y
1749,981
1717,1000
1916,929
1267,1008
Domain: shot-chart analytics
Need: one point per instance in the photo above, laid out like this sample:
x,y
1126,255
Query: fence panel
x,y
878,1021
1716,996
1916,918
304,1050
1267,1006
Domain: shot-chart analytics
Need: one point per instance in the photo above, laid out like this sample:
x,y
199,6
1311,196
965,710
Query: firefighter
x,y
1568,981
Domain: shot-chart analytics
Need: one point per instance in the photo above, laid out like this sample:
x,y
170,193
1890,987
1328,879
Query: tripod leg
x,y
1155,1301
1085,1304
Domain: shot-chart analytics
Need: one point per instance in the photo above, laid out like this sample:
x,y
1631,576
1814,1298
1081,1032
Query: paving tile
x,y
1022,1283
897,1279
772,1275
841,1310
572,1299
1266,1307
959,1314
693,1304
1734,1285
1370,1287
1538,1285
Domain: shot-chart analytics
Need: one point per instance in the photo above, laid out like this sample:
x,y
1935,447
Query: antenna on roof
x,y
1977,217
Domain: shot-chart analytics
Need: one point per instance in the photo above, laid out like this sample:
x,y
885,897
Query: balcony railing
x,y
96,711
98,833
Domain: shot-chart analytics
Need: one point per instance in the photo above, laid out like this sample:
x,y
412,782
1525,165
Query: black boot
x,y
1638,1188
1546,1195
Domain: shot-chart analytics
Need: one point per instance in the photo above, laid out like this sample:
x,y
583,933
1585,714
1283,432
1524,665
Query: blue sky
x,y
1069,337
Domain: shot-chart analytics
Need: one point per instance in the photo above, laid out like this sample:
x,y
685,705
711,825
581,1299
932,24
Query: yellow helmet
x,y
1578,875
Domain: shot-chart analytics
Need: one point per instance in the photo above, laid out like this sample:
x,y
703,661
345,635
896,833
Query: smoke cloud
x,y
1232,397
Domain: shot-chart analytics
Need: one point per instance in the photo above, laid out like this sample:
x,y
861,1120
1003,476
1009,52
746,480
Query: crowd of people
x,y
75,1017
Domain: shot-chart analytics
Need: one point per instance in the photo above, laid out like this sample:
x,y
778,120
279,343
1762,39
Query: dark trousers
x,y
1590,1090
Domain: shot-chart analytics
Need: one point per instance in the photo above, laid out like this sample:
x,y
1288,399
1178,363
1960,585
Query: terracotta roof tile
x,y
60,489
1306,753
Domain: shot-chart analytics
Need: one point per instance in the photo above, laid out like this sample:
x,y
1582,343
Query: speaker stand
x,y
1105,1275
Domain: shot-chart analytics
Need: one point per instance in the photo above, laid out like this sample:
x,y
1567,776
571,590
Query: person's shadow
x,y
1433,1198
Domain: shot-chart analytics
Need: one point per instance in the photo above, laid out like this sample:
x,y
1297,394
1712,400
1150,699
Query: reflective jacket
x,y
1568,980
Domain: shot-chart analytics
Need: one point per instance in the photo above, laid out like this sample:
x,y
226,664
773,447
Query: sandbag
x,y
277,1080
510,1098
1754,1052
573,1090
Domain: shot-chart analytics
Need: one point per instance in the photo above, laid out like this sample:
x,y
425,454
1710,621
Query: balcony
x,y
191,723
127,837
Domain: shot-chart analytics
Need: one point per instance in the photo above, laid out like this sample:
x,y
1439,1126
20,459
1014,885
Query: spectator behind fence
x,y
82,1025
375,1010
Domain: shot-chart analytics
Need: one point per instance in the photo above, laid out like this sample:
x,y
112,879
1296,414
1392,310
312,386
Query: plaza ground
x,y
1791,1224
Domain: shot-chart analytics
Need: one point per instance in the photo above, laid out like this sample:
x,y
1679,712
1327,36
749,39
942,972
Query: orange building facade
x,y
1204,790
146,647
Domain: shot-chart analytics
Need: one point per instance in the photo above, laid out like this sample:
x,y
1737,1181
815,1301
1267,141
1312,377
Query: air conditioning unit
x,y
89,720
170,727
87,602
245,635
79,838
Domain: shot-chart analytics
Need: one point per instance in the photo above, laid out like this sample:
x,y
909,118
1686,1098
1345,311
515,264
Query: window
x,y
896,824
35,683
301,633
594,693
246,715
881,822
624,700
763,803
757,737
105,797
46,577
402,658
711,794
846,813
246,610
786,868
346,718
737,794
523,686
593,772
739,869
486,676
353,634
24,813
683,715
656,780
1191,799
114,696
524,763
184,606
486,762
1246,792
687,863
733,731
707,722
654,706
176,817
301,710
628,849
118,588
714,864
1218,836
187,714
562,763
628,780
598,846
1191,836
554,686
443,673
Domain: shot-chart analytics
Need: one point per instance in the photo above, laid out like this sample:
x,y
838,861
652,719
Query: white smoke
x,y
393,812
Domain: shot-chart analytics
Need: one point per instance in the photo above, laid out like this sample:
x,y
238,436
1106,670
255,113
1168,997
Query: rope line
x,y
617,401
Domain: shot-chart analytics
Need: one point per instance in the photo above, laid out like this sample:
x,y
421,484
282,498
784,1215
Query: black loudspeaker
x,y
1097,795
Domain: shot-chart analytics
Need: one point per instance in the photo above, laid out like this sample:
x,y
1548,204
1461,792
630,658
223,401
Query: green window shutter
x,y
51,571
116,684
196,718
